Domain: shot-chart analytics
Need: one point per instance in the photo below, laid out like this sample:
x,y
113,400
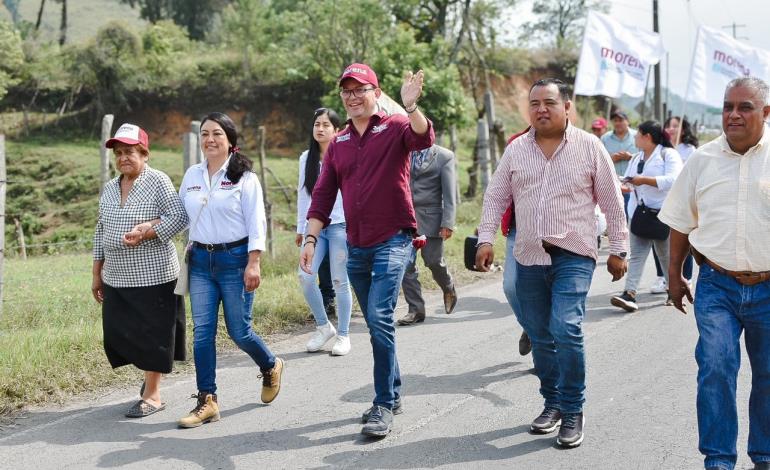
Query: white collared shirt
x,y
226,212
722,200
664,164
304,200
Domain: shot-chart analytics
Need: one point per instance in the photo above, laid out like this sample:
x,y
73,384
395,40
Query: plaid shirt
x,y
153,261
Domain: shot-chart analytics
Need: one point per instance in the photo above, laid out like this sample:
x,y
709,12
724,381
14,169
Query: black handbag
x,y
645,223
469,253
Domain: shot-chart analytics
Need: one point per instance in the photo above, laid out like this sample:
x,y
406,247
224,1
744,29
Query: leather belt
x,y
747,278
221,246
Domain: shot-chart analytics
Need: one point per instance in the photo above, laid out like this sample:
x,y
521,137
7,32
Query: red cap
x,y
599,123
361,73
130,134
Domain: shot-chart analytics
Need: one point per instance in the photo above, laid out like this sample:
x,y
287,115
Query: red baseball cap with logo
x,y
129,134
599,123
361,73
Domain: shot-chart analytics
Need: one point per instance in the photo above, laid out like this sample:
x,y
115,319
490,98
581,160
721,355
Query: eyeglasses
x,y
357,92
640,167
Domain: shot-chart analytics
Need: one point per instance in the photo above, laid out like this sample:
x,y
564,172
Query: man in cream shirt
x,y
720,205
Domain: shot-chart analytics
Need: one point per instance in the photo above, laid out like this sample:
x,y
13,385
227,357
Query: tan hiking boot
x,y
205,411
271,381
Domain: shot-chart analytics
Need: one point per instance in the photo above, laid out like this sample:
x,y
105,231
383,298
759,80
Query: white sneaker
x,y
322,336
659,286
341,346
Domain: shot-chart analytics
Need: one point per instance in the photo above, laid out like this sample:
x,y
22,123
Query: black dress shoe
x,y
412,318
525,345
761,465
450,300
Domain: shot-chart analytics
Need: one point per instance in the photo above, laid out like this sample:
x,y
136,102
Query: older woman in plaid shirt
x,y
136,267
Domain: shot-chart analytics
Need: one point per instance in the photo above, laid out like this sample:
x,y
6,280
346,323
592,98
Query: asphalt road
x,y
468,401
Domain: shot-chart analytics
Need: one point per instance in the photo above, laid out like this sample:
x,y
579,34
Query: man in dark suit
x,y
434,194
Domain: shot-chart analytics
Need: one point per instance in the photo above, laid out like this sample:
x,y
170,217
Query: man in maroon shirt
x,y
368,162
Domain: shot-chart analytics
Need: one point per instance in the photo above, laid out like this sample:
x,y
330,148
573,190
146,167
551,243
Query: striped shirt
x,y
555,198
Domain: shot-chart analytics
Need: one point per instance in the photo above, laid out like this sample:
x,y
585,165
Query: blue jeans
x,y
331,240
216,277
376,273
509,274
552,300
723,310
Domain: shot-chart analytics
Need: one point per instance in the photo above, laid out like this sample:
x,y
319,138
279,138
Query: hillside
x,y
84,17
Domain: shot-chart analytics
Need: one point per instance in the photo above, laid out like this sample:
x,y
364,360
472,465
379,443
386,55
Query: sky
x,y
679,21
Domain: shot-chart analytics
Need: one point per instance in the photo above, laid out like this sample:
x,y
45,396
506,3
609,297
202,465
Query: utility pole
x,y
735,27
656,97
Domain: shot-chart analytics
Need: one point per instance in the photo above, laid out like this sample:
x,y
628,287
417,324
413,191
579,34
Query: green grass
x,y
50,329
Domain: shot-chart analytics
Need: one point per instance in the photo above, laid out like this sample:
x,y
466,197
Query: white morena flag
x,y
615,58
717,59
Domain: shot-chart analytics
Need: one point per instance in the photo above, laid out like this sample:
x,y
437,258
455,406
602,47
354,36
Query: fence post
x,y
453,148
189,154
489,108
104,154
197,157
483,154
3,185
20,235
265,196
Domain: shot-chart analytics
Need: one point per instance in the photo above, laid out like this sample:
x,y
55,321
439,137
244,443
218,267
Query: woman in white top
x,y
223,199
332,239
650,175
685,141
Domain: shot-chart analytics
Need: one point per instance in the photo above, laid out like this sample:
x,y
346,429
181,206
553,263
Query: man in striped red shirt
x,y
555,175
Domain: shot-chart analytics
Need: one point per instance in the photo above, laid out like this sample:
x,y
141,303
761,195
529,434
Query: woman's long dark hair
x,y
687,136
313,163
654,130
239,163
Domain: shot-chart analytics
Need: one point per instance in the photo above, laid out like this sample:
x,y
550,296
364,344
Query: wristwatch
x,y
621,255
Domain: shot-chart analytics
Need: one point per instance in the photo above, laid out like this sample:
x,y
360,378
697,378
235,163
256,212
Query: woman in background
x,y
331,240
650,174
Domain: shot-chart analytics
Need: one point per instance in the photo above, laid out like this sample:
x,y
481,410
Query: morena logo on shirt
x,y
378,129
193,188
343,138
227,185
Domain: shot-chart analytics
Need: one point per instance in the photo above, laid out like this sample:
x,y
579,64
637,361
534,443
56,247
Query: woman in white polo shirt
x,y
223,199
331,240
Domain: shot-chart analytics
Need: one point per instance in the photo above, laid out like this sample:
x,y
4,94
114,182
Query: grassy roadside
x,y
50,329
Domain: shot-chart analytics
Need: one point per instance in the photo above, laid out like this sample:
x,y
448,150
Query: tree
x,y
63,23
559,23
13,9
197,16
11,56
108,66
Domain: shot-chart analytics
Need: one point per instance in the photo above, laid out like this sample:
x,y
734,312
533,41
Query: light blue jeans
x,y
724,309
552,299
376,273
509,274
217,277
333,240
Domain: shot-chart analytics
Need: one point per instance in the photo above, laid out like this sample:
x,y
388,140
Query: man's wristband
x,y
479,245
410,111
315,239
